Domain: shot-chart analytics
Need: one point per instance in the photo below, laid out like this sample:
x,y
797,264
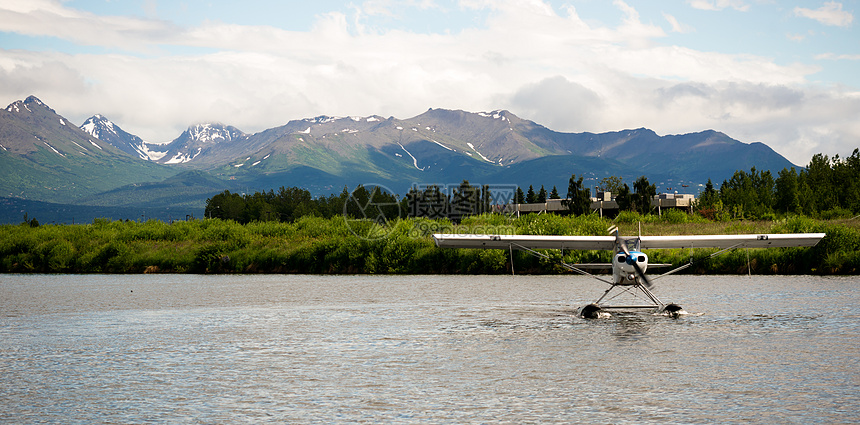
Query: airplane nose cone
x,y
631,259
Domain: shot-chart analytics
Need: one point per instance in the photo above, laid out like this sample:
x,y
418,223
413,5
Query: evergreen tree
x,y
624,199
709,197
554,194
748,194
530,195
819,177
644,193
787,196
846,181
578,200
541,196
466,200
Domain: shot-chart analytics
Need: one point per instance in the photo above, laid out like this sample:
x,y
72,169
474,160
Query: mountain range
x,y
45,158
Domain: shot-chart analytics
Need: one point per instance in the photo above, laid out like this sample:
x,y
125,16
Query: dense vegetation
x,y
291,204
827,188
371,231
333,245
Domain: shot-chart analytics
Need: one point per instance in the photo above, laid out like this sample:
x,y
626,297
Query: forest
x,y
826,188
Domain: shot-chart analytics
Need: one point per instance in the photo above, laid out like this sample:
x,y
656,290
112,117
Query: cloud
x,y
832,56
544,64
558,102
830,14
717,5
50,18
677,26
28,76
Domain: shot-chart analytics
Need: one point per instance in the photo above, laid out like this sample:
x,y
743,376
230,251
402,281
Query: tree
x,y
624,198
226,205
430,202
819,175
749,194
541,196
465,201
787,199
846,181
519,198
709,197
644,193
578,200
554,194
530,195
611,184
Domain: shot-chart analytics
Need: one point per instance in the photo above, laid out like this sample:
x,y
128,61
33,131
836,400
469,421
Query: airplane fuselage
x,y
623,268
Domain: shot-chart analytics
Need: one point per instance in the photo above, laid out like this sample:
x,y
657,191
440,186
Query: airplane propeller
x,y
629,258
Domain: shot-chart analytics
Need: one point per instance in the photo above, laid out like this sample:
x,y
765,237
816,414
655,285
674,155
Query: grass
x,y
318,245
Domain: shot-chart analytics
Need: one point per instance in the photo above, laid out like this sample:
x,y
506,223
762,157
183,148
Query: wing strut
x,y
563,264
677,269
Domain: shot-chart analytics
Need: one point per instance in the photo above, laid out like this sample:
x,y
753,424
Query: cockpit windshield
x,y
632,244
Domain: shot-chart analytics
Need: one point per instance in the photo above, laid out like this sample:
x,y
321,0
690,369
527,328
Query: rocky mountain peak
x,y
212,132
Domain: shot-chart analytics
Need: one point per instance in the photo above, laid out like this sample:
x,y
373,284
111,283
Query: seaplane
x,y
629,262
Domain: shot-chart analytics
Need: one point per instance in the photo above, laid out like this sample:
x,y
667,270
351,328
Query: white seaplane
x,y
629,262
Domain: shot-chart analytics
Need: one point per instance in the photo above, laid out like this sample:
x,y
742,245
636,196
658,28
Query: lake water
x,y
424,349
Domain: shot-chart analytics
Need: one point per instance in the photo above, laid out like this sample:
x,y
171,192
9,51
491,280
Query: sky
x,y
785,73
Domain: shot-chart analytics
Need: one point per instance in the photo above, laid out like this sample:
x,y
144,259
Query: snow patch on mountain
x,y
494,115
183,157
53,149
479,153
414,160
153,155
206,133
446,147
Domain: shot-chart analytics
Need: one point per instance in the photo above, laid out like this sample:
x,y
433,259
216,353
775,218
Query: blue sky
x,y
784,73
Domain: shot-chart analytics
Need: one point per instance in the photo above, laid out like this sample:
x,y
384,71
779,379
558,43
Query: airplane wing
x,y
608,242
731,241
528,241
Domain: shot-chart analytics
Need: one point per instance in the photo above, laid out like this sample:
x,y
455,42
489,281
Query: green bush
x,y
331,245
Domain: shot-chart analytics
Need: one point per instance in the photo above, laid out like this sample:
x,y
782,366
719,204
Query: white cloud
x,y
832,56
830,14
676,26
719,4
548,65
558,102
50,18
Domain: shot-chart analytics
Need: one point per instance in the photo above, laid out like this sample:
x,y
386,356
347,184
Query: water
x,y
423,349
